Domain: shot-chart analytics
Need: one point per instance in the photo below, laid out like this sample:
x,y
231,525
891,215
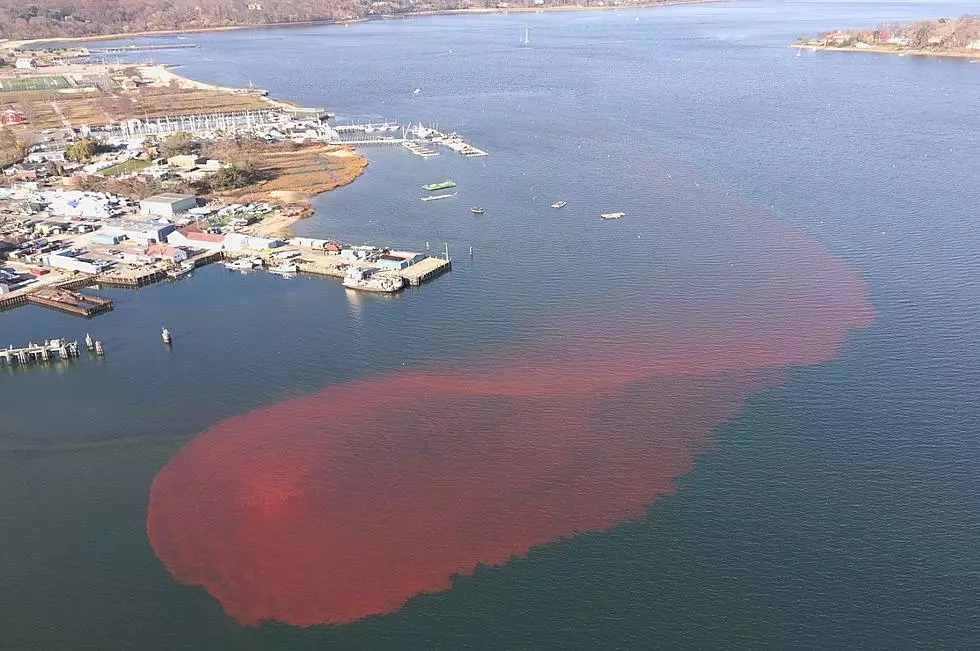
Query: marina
x,y
418,139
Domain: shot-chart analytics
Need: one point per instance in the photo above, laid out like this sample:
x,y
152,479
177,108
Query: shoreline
x,y
15,44
878,50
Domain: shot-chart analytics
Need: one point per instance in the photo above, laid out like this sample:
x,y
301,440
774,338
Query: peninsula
x,y
947,37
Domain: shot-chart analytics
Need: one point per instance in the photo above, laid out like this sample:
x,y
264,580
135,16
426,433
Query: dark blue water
x,y
838,510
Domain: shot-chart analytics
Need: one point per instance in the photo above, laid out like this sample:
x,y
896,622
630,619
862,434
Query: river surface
x,y
745,415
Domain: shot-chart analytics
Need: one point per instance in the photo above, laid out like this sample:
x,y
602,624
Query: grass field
x,y
32,83
125,168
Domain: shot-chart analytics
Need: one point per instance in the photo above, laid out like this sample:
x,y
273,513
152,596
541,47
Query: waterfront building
x,y
142,232
239,242
164,252
193,237
398,260
67,261
135,255
167,204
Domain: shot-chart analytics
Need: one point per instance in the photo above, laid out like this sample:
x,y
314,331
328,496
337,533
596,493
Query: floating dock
x,y
142,48
425,270
133,279
68,301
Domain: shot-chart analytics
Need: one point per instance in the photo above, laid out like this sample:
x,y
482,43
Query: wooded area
x,y
75,18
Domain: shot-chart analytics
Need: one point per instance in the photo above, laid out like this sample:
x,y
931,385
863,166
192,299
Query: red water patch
x,y
346,503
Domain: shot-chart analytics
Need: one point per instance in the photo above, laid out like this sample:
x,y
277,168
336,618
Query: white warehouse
x,y
167,204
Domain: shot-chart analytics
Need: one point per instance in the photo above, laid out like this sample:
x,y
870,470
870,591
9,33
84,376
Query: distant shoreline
x,y
15,44
880,50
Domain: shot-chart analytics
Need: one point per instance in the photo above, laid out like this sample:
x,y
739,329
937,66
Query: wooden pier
x,y
78,281
425,270
69,301
206,257
9,302
133,279
56,349
336,267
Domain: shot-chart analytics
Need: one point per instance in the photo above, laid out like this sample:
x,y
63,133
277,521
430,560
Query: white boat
x,y
363,279
285,269
526,40
244,264
439,196
181,270
612,215
558,204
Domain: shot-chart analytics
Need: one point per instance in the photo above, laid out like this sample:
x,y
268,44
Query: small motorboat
x,y
244,264
558,204
477,210
436,197
181,270
612,215
286,269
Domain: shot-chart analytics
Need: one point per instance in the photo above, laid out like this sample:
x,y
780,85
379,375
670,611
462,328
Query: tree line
x,y
80,18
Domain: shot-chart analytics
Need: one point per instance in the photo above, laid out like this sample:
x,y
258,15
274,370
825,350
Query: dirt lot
x,y
295,176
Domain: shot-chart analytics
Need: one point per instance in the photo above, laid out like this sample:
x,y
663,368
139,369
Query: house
x,y
193,237
53,156
835,38
167,204
165,252
27,171
135,255
142,232
25,63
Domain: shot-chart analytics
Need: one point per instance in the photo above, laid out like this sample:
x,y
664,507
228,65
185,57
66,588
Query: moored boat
x,y
181,270
612,215
558,204
285,269
477,210
439,196
244,264
365,280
